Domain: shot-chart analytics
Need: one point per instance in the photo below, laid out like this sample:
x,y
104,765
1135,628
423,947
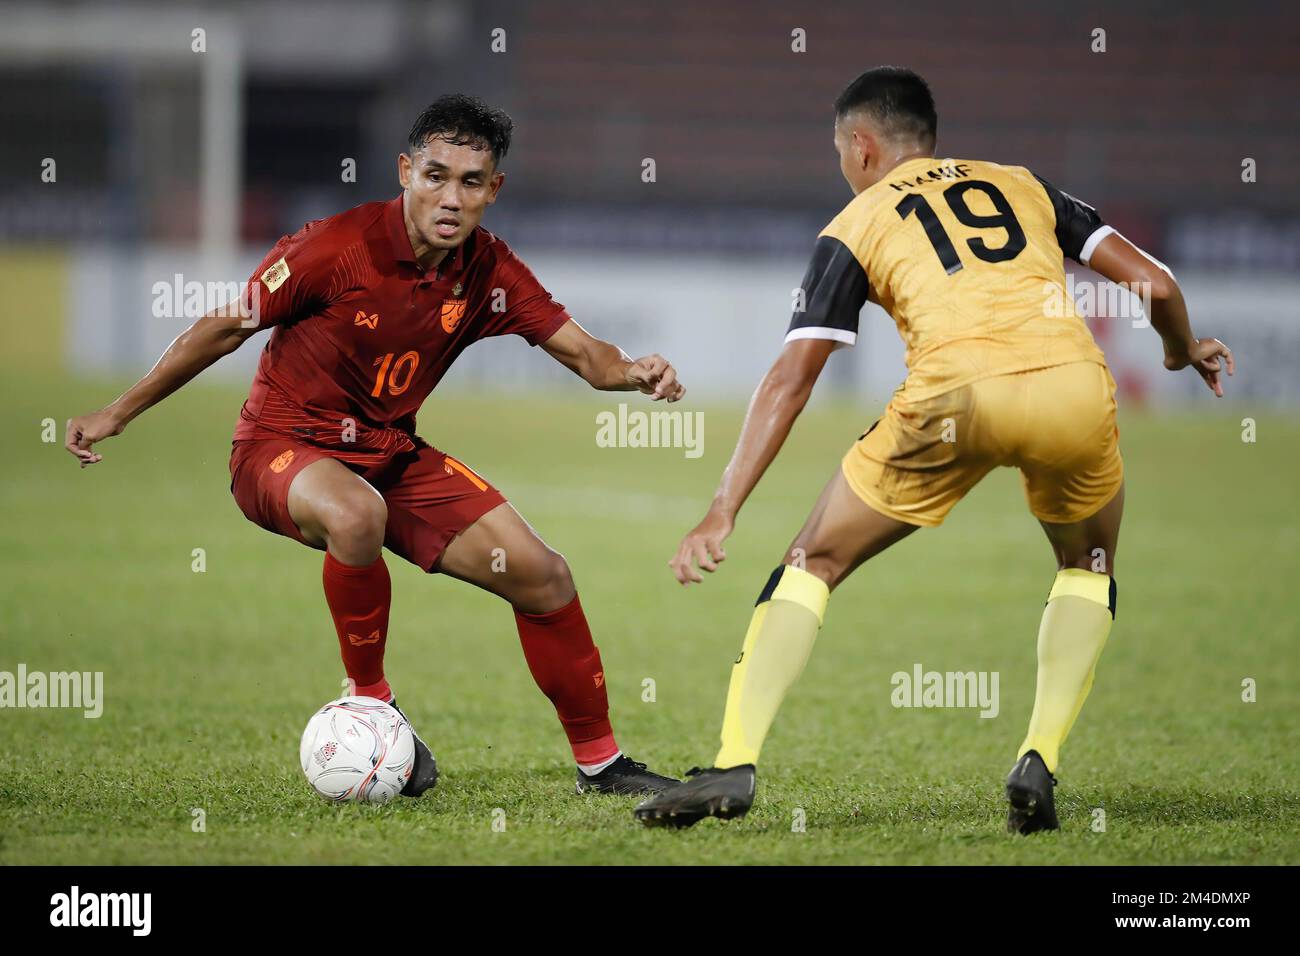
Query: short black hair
x,y
464,121
896,98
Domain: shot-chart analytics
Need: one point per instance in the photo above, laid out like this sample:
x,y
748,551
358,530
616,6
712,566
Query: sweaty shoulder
x,y
854,222
324,238
1078,226
304,270
488,249
345,227
525,306
489,252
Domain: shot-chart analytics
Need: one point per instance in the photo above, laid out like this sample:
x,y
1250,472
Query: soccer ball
x,y
357,748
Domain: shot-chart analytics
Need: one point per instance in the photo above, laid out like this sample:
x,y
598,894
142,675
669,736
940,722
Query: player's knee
x,y
547,586
816,562
554,584
825,567
1097,560
355,529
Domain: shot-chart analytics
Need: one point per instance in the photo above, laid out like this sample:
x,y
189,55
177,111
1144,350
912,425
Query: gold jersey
x,y
967,257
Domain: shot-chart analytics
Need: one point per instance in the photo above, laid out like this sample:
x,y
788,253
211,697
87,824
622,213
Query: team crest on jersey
x,y
369,321
453,310
281,461
274,277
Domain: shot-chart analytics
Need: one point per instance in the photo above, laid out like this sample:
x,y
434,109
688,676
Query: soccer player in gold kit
x,y
960,253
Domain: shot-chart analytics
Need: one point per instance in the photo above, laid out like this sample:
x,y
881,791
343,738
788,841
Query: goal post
x,y
209,43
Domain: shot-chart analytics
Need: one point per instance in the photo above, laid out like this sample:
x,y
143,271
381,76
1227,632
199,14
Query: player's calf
x,y
338,510
566,665
500,553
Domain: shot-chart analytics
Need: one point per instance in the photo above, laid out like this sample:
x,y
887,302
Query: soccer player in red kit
x,y
369,309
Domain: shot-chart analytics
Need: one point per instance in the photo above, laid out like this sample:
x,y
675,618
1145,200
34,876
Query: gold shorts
x,y
1057,425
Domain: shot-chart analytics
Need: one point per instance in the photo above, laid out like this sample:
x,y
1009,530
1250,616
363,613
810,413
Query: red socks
x,y
557,646
358,599
566,665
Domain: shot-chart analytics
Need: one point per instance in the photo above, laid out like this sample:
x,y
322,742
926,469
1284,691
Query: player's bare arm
x,y
777,402
217,334
605,366
1120,261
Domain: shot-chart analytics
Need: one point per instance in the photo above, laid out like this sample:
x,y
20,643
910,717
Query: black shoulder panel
x,y
835,289
1076,221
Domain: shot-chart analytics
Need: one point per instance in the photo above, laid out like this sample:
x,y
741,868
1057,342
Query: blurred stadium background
x,y
174,170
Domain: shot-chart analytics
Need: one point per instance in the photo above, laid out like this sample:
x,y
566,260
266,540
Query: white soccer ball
x,y
357,748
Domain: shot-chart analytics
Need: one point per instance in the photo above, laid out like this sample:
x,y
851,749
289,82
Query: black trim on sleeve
x,y
835,288
1076,221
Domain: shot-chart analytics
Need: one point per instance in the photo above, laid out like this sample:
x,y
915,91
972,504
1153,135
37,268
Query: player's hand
x,y
703,546
1209,357
84,430
653,376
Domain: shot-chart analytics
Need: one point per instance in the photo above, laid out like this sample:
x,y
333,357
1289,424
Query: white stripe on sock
x,y
591,769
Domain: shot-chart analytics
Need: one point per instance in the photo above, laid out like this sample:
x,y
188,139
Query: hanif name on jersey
x,y
945,171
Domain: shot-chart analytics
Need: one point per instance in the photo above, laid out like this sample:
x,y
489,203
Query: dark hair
x,y
897,99
464,121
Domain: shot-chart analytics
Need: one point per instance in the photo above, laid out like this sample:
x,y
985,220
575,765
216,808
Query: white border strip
x,y
1093,242
822,332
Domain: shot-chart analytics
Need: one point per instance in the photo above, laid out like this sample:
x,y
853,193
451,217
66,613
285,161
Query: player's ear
x,y
404,170
863,146
494,186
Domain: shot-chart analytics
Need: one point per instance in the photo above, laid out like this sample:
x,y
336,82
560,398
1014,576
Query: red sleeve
x,y
529,309
292,282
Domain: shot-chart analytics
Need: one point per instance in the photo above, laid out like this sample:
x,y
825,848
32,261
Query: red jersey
x,y
363,334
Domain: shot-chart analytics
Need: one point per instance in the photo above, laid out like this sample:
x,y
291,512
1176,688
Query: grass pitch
x,y
210,676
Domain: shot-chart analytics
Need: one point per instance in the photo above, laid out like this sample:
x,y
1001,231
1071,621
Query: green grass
x,y
211,676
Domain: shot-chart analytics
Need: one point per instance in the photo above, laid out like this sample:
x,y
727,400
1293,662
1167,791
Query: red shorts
x,y
431,497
